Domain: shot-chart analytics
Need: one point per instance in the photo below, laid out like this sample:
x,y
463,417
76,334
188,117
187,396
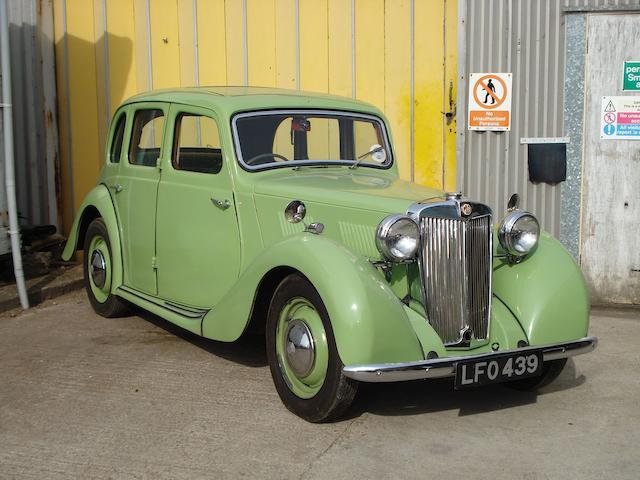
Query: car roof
x,y
231,99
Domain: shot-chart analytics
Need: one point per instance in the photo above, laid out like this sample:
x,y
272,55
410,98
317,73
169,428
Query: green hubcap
x,y
99,268
301,347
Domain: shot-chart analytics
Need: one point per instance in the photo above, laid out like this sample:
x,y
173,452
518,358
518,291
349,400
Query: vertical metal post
x,y
14,231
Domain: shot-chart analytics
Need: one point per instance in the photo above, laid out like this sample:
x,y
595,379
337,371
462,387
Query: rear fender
x,y
96,204
369,322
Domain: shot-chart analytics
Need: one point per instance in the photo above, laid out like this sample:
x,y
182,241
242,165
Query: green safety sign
x,y
631,76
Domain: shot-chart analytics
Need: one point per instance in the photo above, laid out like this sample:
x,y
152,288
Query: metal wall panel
x,y
527,39
34,115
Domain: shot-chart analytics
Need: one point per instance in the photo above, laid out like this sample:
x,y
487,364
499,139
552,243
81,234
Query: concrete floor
x,y
86,397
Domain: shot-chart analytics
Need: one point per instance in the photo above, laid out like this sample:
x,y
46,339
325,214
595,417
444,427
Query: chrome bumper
x,y
446,367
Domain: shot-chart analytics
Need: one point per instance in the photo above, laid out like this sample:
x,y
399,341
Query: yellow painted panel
x,y
451,70
340,65
370,51
397,75
212,55
234,21
187,44
122,56
85,152
314,64
314,56
63,117
429,98
101,72
285,43
142,49
261,42
165,52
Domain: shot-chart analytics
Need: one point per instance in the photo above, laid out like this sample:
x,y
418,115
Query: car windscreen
x,y
291,138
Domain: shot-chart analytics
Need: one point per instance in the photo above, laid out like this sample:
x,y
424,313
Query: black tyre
x,y
302,354
550,371
98,270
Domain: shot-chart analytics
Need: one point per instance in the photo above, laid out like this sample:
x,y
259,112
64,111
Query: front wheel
x,y
98,271
302,354
550,371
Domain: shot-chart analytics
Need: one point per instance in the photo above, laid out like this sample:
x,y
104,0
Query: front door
x,y
611,177
198,244
135,191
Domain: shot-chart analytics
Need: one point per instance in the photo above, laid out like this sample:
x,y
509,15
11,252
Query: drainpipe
x,y
9,176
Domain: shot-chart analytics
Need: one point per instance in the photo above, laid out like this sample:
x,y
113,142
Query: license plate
x,y
498,369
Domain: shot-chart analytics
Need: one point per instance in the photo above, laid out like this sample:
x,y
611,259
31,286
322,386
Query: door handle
x,y
117,187
221,204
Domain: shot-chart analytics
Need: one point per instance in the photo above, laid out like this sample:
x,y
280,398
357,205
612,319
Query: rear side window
x,y
146,137
116,142
196,146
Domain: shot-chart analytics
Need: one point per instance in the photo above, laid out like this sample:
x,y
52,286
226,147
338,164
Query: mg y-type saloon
x,y
229,209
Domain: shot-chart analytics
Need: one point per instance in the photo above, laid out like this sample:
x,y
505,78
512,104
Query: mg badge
x,y
466,209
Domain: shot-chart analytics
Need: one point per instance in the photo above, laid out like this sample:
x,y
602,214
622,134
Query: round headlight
x,y
397,238
519,233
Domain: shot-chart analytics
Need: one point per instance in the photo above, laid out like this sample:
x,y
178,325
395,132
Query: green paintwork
x,y
310,384
200,266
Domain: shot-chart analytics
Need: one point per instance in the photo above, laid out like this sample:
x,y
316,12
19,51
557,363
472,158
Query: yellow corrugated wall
x,y
397,54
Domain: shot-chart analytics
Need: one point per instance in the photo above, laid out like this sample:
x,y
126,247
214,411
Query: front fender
x,y
546,292
98,199
368,320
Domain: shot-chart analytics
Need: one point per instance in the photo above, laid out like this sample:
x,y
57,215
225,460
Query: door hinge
x,y
154,263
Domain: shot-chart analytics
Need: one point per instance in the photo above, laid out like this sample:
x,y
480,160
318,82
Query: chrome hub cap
x,y
299,348
98,268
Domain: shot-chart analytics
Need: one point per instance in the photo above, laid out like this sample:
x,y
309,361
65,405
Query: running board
x,y
187,317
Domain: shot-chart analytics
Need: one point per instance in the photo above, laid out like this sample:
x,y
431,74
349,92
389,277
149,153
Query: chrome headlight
x,y
519,233
397,238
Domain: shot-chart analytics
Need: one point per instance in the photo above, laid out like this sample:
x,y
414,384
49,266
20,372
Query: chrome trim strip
x,y
310,111
446,367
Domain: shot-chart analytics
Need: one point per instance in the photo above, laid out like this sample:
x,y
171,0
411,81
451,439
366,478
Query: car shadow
x,y
387,399
429,396
248,350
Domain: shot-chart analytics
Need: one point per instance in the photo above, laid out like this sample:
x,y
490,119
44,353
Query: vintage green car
x,y
231,209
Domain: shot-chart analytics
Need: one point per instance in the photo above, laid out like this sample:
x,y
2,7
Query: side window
x,y
196,144
116,142
146,137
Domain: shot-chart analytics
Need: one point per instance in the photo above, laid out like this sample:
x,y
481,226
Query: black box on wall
x,y
547,162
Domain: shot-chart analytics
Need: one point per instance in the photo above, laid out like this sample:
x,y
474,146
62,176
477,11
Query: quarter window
x,y
146,137
116,143
196,144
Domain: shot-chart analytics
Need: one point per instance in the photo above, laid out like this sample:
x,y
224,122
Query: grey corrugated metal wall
x,y
34,113
526,38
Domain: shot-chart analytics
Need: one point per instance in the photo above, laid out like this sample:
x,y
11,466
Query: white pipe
x,y
9,176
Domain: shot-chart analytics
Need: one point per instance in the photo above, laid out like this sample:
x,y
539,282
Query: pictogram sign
x,y
489,101
620,118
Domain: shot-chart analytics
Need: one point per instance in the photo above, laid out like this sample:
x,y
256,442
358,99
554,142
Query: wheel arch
x,y
367,318
97,204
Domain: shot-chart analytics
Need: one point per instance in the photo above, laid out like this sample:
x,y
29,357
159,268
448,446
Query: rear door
x,y
197,231
135,191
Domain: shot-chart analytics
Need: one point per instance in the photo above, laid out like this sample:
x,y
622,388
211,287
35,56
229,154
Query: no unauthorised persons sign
x,y
489,101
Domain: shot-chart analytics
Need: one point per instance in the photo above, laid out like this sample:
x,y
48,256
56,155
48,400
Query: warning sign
x,y
489,101
620,118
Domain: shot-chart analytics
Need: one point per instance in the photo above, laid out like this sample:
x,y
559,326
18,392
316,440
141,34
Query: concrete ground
x,y
87,397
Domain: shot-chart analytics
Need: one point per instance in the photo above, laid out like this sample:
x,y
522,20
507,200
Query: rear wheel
x,y
550,371
98,271
303,358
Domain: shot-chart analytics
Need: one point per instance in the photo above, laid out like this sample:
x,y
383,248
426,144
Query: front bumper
x,y
446,367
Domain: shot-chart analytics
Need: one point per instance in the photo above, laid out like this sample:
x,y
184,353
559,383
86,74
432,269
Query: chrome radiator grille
x,y
456,269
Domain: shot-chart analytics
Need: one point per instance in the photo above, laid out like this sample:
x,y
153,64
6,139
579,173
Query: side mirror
x,y
514,202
